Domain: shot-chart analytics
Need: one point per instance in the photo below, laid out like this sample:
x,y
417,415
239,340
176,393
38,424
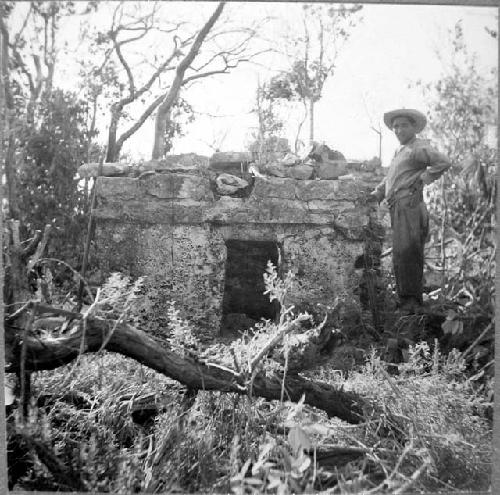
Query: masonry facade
x,y
168,222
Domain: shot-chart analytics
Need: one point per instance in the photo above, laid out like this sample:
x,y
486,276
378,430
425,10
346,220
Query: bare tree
x,y
165,108
127,31
223,58
138,82
325,29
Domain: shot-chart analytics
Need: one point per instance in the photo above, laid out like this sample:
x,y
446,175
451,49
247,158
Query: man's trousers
x,y
410,227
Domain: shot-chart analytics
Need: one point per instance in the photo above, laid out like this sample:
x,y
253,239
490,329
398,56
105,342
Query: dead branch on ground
x,y
50,353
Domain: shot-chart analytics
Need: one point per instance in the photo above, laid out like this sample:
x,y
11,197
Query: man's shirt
x,y
414,161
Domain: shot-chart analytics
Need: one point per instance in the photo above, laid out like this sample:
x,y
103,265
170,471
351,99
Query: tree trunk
x,y
50,353
164,110
8,101
311,121
112,152
299,128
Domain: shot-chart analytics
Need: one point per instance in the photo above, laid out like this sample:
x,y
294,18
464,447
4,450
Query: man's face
x,y
404,129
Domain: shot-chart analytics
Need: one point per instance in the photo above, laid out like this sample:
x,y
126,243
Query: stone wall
x,y
173,228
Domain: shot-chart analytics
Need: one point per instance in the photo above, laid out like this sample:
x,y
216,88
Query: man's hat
x,y
418,117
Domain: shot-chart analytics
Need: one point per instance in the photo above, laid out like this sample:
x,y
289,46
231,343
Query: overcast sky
x,y
393,46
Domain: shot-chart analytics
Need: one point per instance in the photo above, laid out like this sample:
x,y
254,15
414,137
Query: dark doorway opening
x,y
244,301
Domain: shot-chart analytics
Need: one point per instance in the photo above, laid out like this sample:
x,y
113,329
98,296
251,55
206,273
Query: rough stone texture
x,y
189,163
274,188
323,264
331,170
88,170
275,169
228,184
301,172
183,264
171,229
290,159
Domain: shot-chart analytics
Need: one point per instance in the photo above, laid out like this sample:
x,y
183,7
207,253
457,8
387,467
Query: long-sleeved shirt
x,y
414,161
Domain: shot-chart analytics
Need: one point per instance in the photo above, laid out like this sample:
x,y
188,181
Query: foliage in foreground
x,y
428,431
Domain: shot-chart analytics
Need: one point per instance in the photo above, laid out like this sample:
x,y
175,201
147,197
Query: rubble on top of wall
x,y
188,163
232,173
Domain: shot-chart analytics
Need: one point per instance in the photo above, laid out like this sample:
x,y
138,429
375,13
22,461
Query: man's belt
x,y
416,189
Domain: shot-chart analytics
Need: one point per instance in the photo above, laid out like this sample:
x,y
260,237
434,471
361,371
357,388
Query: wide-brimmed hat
x,y
418,117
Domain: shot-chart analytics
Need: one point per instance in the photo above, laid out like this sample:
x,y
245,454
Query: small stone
x,y
228,184
88,170
289,160
275,169
322,153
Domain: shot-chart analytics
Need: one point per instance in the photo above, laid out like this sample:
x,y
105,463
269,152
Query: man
x,y
414,164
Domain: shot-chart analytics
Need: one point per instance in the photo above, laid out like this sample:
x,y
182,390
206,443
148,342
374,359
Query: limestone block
x,y
325,205
257,232
273,188
226,210
117,189
316,189
117,247
301,172
188,270
189,163
331,169
88,170
339,190
323,266
354,190
277,210
176,186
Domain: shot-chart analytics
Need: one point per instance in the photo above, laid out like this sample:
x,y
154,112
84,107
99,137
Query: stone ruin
x,y
202,230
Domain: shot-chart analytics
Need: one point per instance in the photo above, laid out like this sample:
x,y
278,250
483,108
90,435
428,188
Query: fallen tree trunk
x,y
51,353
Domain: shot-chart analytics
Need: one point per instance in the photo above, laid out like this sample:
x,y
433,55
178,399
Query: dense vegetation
x,y
105,422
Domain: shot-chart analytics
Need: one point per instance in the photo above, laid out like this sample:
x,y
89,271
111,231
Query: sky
x,y
391,48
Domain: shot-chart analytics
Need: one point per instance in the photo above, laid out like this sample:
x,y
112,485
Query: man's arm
x,y
436,163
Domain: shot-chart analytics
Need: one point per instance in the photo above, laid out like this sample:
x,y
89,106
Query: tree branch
x,y
41,247
140,121
131,85
171,97
50,353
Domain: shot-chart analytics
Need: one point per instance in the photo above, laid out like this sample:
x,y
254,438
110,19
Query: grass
x,y
427,428
428,420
